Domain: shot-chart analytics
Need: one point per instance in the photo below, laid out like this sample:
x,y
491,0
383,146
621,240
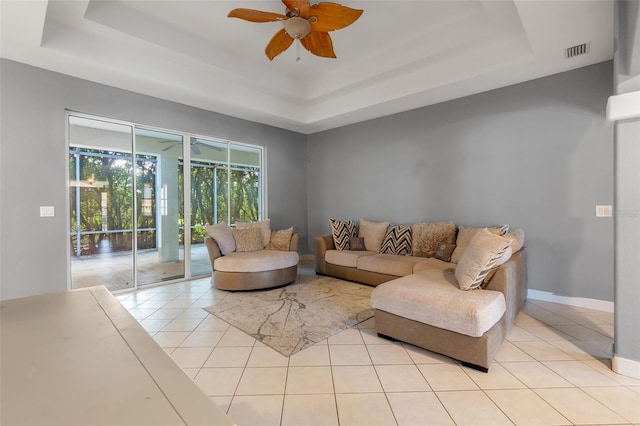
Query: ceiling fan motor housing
x,y
297,27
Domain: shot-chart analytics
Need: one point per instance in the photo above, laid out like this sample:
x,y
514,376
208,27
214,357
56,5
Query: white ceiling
x,y
399,55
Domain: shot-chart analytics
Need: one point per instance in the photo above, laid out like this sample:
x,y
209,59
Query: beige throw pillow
x,y
484,251
222,235
263,225
427,237
517,239
280,240
247,239
373,234
464,237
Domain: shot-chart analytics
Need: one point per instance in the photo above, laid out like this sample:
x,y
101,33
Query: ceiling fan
x,y
310,24
195,146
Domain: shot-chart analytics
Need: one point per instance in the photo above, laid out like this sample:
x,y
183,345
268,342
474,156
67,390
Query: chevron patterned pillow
x,y
342,231
397,240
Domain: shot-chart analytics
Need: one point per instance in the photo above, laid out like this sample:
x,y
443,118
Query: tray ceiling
x,y
399,55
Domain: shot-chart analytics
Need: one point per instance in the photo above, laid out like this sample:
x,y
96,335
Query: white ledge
x,y
623,107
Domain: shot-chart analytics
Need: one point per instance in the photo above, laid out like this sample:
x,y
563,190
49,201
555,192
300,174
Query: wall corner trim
x,y
581,302
623,107
626,367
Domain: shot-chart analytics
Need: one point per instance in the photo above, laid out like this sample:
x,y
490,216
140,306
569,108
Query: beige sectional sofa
x,y
419,300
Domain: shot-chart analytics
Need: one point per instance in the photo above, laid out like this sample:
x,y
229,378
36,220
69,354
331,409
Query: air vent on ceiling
x,y
577,50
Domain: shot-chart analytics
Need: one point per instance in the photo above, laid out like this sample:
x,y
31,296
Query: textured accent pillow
x,y
503,228
445,251
280,240
357,243
464,237
373,234
222,235
428,236
517,239
484,251
342,230
397,240
247,239
263,225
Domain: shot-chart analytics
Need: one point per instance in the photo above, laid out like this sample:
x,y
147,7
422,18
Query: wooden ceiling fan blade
x,y
333,16
278,44
252,15
319,43
301,5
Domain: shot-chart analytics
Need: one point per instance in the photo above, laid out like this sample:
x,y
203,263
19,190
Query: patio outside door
x,y
160,206
100,203
113,198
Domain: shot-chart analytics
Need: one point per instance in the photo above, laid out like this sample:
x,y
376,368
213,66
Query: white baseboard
x,y
626,367
581,302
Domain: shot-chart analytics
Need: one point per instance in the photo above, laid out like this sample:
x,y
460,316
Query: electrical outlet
x,y
604,211
47,211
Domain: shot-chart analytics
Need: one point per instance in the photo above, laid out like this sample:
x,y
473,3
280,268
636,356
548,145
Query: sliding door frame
x,y
186,155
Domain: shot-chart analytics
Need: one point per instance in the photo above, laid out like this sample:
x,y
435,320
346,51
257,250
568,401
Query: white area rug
x,y
291,318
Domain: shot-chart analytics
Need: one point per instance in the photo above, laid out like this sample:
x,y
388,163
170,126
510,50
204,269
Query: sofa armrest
x,y
511,280
323,243
295,242
212,249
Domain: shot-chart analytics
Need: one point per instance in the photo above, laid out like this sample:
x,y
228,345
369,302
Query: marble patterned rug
x,y
293,317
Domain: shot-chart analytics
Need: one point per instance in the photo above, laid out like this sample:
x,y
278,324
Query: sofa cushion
x,y
432,297
247,239
485,251
433,263
397,240
222,235
280,239
464,237
256,261
263,225
390,264
348,258
373,234
428,236
342,230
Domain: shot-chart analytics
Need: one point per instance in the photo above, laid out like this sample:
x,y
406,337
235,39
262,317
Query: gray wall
x,y
536,156
627,189
33,250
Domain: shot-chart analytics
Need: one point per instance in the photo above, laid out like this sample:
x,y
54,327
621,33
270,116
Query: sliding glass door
x,y
101,203
140,197
160,206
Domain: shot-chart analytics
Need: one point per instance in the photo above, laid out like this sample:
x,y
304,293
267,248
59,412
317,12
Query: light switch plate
x,y
47,211
604,211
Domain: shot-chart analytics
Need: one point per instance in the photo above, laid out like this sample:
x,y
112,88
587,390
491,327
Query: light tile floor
x,y
553,369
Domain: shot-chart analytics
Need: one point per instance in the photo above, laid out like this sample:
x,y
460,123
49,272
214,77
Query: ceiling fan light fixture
x,y
297,27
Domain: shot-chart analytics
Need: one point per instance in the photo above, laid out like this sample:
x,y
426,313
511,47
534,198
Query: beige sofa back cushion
x,y
373,234
464,237
221,233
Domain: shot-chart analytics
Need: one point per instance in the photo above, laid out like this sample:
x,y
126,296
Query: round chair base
x,y
235,281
